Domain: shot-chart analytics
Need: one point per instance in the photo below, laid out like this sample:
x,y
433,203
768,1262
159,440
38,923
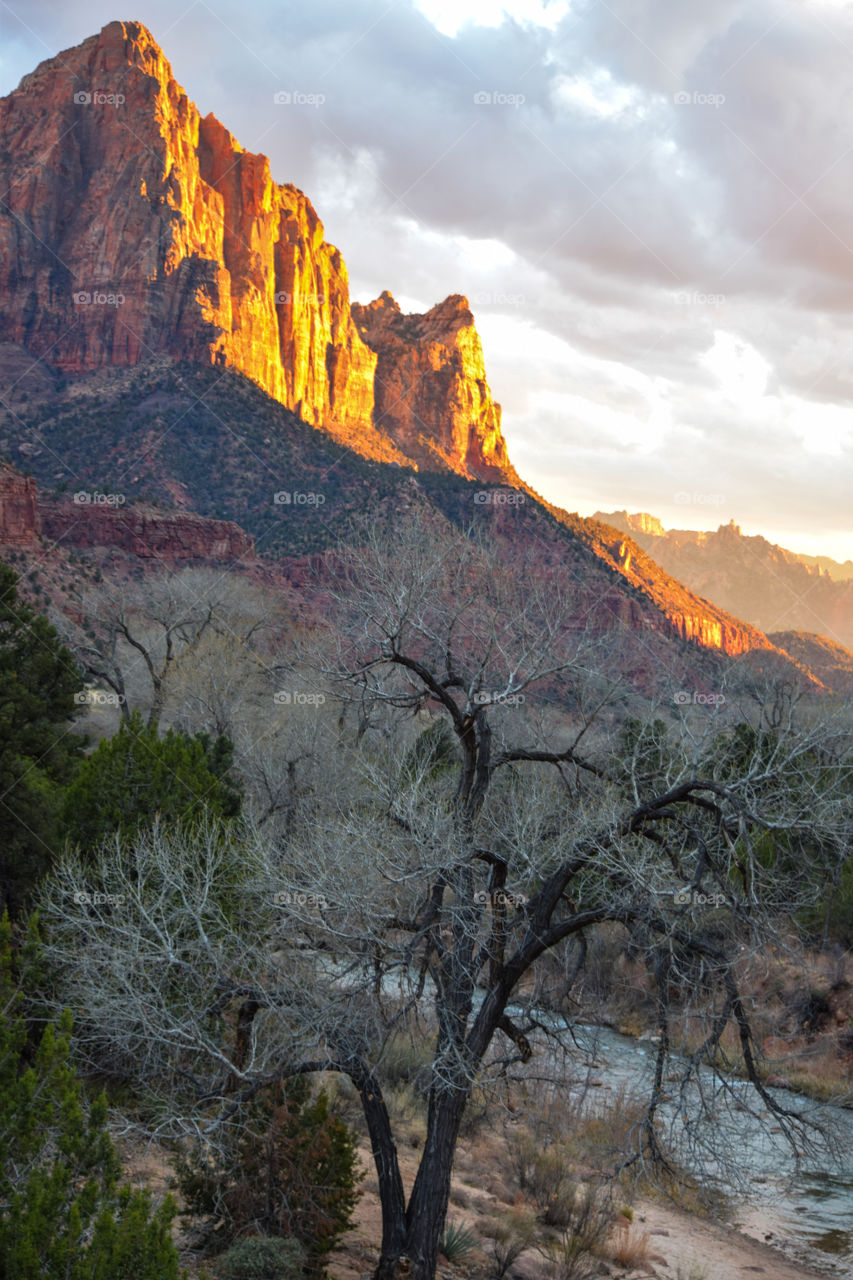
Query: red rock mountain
x,y
431,394
132,227
754,579
140,530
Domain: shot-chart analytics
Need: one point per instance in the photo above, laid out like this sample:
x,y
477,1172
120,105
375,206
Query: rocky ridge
x,y
431,394
94,519
131,226
756,580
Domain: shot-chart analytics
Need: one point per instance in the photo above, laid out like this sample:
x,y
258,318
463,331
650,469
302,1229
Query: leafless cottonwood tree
x,y
493,813
206,651
136,636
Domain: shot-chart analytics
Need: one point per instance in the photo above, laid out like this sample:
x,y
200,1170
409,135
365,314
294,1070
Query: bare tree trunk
x,y
431,1192
391,1195
417,1253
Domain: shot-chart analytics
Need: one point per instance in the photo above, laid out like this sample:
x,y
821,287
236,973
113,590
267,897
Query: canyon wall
x,y
131,226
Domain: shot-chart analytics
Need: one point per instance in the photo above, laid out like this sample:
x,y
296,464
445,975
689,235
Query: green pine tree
x,y
63,1213
38,748
136,774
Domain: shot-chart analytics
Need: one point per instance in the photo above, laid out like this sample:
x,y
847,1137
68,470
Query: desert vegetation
x,y
360,879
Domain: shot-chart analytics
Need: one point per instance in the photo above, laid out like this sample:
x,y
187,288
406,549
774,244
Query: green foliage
x,y
290,1170
38,683
433,753
458,1243
262,1258
63,1214
136,774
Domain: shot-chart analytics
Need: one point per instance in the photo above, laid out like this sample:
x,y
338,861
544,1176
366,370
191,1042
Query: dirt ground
x,y
680,1245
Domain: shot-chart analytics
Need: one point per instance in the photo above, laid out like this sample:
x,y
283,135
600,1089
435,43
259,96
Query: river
x,y
804,1203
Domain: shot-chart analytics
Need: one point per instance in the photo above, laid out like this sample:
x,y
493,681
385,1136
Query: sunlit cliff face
x,y
431,393
153,232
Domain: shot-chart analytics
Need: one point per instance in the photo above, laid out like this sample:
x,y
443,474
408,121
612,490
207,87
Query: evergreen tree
x,y
291,1170
63,1213
137,774
38,749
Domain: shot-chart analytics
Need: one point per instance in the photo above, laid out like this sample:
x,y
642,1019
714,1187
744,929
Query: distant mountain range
x,y
774,589
177,337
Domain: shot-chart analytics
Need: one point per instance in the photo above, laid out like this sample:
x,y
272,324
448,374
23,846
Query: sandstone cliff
x,y
638,522
140,530
19,512
144,531
431,396
131,227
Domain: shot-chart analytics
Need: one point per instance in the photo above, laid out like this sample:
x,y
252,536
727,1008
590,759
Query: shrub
x,y
510,1236
629,1246
136,774
583,1216
290,1170
262,1258
458,1243
63,1214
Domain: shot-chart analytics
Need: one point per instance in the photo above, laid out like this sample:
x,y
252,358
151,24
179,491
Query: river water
x,y
803,1202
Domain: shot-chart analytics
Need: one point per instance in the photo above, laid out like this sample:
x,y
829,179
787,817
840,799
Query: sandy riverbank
x,y
680,1246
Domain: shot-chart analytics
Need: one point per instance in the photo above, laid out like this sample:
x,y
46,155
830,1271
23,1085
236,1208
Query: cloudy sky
x,y
649,204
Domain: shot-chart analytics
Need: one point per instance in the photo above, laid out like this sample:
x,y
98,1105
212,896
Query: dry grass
x,y
628,1245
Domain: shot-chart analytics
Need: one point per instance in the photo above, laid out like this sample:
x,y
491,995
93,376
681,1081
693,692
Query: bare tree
x,y
135,637
494,813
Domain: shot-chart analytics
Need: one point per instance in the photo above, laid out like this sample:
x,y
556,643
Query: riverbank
x,y
800,1004
671,1244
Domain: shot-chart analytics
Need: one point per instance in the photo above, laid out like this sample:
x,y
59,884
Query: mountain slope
x,y
750,577
190,437
832,665
130,226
